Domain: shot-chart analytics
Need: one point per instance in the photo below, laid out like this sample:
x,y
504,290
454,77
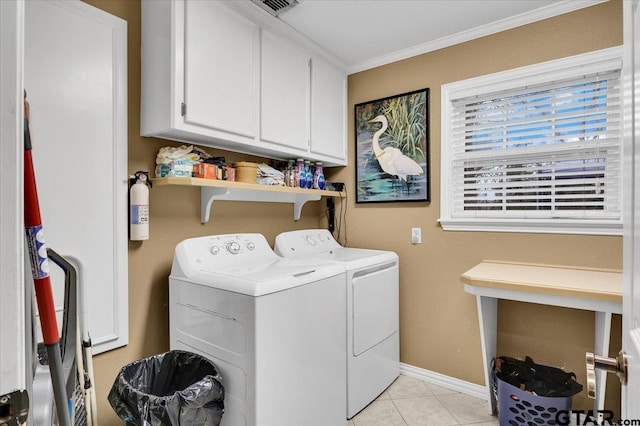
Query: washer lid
x,y
265,278
264,271
243,263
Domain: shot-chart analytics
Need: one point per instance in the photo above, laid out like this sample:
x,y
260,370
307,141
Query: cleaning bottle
x,y
308,175
299,175
290,174
318,177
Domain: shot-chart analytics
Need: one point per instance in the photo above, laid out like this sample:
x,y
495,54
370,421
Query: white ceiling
x,y
363,34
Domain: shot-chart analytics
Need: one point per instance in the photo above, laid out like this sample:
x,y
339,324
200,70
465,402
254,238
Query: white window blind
x,y
545,151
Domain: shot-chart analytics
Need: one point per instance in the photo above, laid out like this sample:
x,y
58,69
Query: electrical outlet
x,y
416,235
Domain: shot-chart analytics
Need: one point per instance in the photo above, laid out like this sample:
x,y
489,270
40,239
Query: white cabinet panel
x,y
219,65
328,109
285,93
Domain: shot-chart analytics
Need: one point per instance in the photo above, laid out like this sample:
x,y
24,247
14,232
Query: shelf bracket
x,y
209,194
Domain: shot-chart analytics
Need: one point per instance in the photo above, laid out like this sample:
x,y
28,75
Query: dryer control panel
x,y
307,241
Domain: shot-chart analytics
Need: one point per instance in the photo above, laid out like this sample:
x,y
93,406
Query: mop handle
x,y
37,253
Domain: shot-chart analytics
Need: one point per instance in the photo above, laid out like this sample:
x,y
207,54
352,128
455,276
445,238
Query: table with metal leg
x,y
596,290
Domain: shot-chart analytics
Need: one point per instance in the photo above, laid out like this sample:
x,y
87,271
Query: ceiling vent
x,y
276,7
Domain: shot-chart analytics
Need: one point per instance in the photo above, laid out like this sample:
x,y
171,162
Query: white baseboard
x,y
467,388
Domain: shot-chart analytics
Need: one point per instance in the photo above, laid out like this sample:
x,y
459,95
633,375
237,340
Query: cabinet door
x,y
328,109
220,63
284,112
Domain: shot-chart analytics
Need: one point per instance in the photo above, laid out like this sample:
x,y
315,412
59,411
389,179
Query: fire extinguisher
x,y
139,206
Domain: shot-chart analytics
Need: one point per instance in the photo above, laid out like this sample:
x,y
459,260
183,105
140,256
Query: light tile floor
x,y
412,402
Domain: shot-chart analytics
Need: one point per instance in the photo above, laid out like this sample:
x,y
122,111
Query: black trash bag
x,y
173,388
535,378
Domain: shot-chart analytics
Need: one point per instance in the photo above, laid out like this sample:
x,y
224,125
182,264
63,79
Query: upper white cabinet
x,y
230,76
219,78
284,106
328,108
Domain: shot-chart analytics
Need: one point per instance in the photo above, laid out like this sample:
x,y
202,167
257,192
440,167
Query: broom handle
x,y
37,253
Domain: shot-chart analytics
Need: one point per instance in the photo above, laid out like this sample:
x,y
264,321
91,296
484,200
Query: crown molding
x,y
478,32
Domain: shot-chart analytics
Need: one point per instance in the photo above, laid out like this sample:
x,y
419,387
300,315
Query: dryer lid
x,y
347,254
319,245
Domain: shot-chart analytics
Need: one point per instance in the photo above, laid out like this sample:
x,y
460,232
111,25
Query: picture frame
x,y
392,149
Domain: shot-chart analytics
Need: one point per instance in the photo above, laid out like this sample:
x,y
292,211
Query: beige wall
x,y
439,324
438,320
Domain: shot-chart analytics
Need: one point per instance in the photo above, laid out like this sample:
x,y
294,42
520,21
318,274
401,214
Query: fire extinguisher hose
x,y
37,253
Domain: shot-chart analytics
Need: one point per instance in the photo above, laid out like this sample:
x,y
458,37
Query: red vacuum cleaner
x,y
38,258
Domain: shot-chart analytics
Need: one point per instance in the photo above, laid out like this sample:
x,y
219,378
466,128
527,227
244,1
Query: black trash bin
x,y
173,388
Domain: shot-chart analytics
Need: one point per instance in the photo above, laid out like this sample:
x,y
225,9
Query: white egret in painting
x,y
392,161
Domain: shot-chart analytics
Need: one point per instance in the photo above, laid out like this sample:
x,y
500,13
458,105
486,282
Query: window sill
x,y
554,226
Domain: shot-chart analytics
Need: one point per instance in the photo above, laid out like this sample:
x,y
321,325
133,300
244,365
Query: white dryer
x,y
373,349
274,327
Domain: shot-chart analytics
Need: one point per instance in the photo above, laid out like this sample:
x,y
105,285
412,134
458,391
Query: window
x,y
536,149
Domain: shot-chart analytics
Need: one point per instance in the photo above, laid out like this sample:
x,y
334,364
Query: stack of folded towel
x,y
267,175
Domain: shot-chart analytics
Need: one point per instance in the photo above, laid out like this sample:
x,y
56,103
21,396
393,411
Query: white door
x,y
631,296
13,371
75,77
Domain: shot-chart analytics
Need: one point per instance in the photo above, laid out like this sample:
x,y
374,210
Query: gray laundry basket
x,y
517,407
532,394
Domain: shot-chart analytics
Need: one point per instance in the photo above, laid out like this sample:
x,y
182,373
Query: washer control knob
x,y
311,241
233,247
214,250
251,245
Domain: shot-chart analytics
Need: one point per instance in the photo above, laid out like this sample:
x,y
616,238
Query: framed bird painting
x,y
392,148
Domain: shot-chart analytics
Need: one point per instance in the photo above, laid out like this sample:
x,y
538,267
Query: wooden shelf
x,y
211,190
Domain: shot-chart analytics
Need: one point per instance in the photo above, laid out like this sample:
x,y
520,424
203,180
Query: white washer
x,y
373,349
274,327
